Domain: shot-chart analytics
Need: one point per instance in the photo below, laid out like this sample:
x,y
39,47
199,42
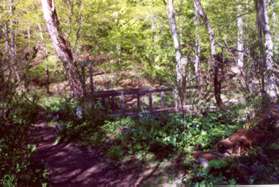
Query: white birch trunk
x,y
269,77
7,39
12,32
12,42
274,26
62,48
240,39
197,47
180,62
213,62
202,14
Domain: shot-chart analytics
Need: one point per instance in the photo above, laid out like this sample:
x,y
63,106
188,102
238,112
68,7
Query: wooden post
x,y
150,102
91,77
138,102
83,78
47,80
162,99
104,102
122,100
112,103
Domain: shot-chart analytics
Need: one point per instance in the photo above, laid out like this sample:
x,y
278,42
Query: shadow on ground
x,y
71,164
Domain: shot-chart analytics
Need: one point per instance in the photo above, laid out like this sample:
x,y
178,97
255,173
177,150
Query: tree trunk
x,y
213,62
240,47
180,88
12,32
261,61
7,39
197,47
269,78
62,47
240,39
274,26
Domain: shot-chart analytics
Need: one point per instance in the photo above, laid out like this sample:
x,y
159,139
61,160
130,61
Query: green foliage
x,y
115,152
168,134
9,181
111,127
212,175
17,113
15,152
39,72
217,164
58,104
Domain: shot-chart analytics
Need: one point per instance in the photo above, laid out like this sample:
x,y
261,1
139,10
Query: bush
x,y
38,72
171,133
16,167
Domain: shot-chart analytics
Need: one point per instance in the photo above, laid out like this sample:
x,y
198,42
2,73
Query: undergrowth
x,y
16,166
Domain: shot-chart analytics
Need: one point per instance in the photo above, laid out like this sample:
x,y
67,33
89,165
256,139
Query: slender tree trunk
x,y
261,61
180,88
79,22
7,39
62,47
197,47
274,27
270,86
240,39
12,41
41,32
240,47
12,32
213,62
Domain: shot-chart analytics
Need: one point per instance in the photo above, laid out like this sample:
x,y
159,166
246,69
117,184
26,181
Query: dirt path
x,y
70,164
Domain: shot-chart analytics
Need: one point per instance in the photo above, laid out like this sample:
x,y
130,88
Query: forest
x,y
139,92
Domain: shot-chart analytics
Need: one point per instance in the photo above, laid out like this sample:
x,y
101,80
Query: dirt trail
x,y
70,164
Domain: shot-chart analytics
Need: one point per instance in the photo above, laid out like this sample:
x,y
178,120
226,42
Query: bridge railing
x,y
118,100
131,100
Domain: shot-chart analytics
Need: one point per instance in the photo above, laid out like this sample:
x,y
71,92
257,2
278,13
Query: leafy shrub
x,y
16,167
115,152
38,72
167,132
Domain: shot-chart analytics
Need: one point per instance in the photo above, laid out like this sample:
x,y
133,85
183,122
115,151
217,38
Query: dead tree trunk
x,y
269,79
180,88
62,47
213,62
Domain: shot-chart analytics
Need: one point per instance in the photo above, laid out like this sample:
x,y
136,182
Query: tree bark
x,y
213,62
181,63
240,39
62,47
274,21
240,47
10,42
12,32
269,78
197,47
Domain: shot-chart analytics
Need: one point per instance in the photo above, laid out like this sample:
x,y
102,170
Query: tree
x,y
269,79
62,47
197,47
181,63
240,39
214,63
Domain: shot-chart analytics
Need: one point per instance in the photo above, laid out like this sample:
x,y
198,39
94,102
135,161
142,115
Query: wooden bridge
x,y
132,102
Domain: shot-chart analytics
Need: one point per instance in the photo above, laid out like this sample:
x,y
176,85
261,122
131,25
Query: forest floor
x,y
72,164
254,158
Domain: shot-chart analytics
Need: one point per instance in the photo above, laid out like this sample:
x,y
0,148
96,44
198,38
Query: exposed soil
x,y
70,164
